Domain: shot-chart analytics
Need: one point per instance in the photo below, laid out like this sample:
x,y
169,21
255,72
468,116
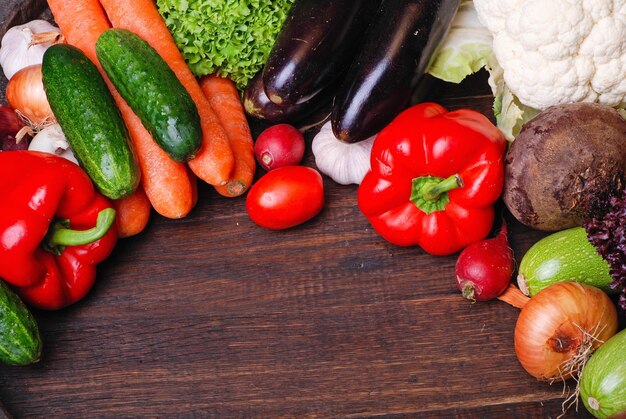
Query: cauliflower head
x,y
559,51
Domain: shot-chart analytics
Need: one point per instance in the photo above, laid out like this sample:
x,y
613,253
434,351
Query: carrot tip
x,y
237,188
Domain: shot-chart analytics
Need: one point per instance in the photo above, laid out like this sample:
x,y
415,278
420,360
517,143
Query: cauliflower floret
x,y
559,51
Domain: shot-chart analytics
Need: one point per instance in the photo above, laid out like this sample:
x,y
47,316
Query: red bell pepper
x,y
45,197
435,176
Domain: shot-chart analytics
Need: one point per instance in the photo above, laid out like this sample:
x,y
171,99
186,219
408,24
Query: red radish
x,y
484,268
279,145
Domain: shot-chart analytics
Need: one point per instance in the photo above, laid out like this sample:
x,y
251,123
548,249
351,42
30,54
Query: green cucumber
x,y
603,379
563,256
20,341
153,92
90,120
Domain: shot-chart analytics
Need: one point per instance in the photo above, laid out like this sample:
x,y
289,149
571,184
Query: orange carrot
x,y
133,213
167,184
215,161
224,98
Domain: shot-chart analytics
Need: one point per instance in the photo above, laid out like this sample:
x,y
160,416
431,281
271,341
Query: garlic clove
x,y
342,162
52,140
17,49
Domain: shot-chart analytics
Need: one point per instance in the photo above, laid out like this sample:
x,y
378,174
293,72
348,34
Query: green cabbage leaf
x,y
230,38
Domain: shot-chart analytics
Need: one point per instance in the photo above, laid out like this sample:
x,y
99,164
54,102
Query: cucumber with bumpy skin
x,y
563,256
90,120
20,341
153,92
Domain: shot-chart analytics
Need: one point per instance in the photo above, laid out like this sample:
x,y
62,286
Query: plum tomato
x,y
286,197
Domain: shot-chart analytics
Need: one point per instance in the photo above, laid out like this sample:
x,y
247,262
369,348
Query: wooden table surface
x,y
213,316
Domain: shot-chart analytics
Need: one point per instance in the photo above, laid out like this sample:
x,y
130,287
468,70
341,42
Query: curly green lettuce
x,y
230,38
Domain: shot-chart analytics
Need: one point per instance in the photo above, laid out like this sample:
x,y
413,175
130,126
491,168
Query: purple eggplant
x,y
257,104
392,60
315,47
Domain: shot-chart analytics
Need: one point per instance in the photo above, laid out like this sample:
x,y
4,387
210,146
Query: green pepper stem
x,y
62,236
433,191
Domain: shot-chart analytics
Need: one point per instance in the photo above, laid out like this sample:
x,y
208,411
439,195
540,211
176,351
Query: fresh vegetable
x,y
153,92
10,127
580,64
25,94
603,379
225,101
258,105
563,256
20,341
343,162
513,296
578,46
467,48
50,251
546,187
434,180
392,58
214,162
90,120
52,140
483,269
314,47
133,213
168,184
230,39
279,145
607,233
560,327
24,45
286,197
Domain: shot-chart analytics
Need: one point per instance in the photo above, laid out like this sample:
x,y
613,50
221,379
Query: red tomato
x,y
285,197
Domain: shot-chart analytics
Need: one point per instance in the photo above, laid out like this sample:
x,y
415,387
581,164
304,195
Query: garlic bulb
x,y
342,162
52,140
25,44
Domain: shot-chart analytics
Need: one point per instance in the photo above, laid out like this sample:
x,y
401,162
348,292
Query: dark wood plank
x,y
16,12
214,316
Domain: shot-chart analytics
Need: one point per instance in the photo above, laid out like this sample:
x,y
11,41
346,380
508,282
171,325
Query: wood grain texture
x,y
212,316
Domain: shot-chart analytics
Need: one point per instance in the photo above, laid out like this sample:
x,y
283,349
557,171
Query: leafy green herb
x,y
231,38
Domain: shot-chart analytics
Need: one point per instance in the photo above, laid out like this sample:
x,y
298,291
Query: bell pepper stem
x,y
433,191
62,236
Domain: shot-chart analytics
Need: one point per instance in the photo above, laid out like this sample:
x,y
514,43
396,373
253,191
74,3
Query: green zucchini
x,y
563,256
20,341
603,379
153,92
90,120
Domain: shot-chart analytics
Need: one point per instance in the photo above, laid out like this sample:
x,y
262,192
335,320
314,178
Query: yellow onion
x,y
25,93
560,327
